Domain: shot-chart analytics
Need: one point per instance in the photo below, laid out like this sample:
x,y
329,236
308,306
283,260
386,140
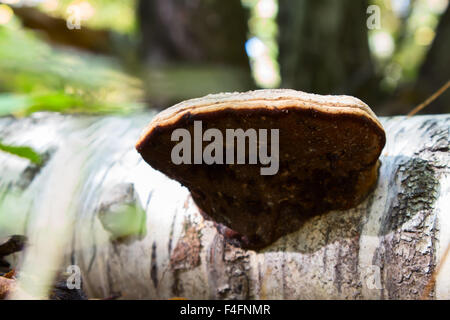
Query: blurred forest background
x,y
119,56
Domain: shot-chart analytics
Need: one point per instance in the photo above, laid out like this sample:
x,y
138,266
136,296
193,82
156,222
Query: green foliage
x,y
23,105
36,76
23,152
410,30
39,77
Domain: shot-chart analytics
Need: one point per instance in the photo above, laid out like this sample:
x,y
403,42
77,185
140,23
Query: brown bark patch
x,y
186,254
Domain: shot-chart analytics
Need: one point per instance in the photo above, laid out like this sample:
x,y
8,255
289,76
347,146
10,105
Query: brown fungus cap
x,y
328,158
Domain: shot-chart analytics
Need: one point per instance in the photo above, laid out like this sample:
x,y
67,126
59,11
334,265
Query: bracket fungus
x,y
326,152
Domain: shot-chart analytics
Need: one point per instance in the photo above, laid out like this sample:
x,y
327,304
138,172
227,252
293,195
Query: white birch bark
x,y
386,248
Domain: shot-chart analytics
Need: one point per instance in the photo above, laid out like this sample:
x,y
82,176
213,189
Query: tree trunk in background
x,y
324,48
435,71
131,230
194,31
194,47
56,30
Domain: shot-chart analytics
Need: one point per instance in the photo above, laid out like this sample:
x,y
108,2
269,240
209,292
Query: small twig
x,y
430,99
430,284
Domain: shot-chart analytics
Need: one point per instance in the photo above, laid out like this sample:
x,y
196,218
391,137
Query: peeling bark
x,y
386,248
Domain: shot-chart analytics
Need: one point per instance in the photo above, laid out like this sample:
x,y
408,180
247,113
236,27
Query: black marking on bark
x,y
72,247
259,280
428,124
172,227
12,244
147,203
5,192
338,273
408,254
28,217
325,250
115,248
283,273
94,254
109,279
33,169
419,192
177,286
439,139
154,266
72,250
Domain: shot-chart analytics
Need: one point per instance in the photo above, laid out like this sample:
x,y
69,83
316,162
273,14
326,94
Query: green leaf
x,y
54,101
22,151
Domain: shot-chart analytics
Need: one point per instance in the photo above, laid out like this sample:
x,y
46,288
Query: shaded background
x,y
137,54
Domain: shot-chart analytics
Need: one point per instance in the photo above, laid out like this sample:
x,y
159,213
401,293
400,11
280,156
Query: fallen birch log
x,y
94,204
